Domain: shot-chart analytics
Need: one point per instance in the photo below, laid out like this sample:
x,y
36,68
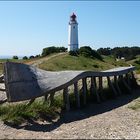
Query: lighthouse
x,y
73,34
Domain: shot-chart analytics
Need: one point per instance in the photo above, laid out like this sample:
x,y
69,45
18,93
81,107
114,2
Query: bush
x,y
88,52
104,51
15,57
31,57
25,58
37,56
96,55
73,53
137,61
85,51
53,49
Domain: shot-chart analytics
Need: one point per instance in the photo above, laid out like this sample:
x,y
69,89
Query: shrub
x,y
73,53
31,57
25,58
137,61
96,55
37,56
88,52
15,57
53,49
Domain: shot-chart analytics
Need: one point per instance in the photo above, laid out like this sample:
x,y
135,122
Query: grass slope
x,y
67,62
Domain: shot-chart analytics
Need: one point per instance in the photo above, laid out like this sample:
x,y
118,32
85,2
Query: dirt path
x,y
39,61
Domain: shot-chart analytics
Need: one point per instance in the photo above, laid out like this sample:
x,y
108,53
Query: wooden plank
x,y
24,82
134,82
111,86
52,98
76,94
101,88
46,97
66,98
93,81
84,89
117,85
132,74
92,87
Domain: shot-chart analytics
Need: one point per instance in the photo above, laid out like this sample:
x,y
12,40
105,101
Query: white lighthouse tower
x,y
73,34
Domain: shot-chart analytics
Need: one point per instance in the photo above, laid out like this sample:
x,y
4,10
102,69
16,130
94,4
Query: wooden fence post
x,y
76,94
45,97
101,88
128,79
134,82
66,98
84,89
117,85
111,86
51,98
94,88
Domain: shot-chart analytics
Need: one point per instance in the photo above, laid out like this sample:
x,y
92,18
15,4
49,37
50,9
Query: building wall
x,y
73,36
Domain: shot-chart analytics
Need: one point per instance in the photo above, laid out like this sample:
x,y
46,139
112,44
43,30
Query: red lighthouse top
x,y
73,17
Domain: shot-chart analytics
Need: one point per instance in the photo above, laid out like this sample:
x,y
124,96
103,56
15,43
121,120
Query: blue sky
x,y
26,27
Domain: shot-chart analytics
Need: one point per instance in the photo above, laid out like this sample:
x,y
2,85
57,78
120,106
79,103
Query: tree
x,y
85,51
15,57
31,57
88,52
128,53
25,58
95,54
104,51
53,49
38,55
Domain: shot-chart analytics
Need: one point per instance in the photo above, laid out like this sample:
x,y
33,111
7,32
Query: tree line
x,y
127,52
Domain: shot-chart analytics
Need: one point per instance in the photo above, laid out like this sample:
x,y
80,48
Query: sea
x,y
9,57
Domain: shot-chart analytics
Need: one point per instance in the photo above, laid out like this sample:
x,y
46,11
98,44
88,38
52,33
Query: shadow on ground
x,y
82,113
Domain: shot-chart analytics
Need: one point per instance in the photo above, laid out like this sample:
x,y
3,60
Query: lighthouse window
x,y
73,26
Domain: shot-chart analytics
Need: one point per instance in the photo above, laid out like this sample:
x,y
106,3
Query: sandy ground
x,y
111,119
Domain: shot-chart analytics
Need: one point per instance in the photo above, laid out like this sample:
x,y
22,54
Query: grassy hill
x,y
65,61
68,62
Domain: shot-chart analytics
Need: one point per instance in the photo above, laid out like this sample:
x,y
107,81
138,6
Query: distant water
x,y
8,57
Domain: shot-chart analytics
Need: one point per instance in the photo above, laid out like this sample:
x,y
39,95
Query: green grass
x,y
1,68
135,105
17,114
67,62
134,63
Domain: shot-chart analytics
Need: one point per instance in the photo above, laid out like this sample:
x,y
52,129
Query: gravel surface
x,y
111,119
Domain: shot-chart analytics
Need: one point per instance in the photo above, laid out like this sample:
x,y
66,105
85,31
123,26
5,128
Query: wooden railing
x,y
24,82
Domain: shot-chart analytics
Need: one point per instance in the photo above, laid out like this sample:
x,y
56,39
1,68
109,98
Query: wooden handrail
x,y
24,82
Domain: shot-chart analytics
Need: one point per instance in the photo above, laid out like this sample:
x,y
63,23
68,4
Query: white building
x,y
73,34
